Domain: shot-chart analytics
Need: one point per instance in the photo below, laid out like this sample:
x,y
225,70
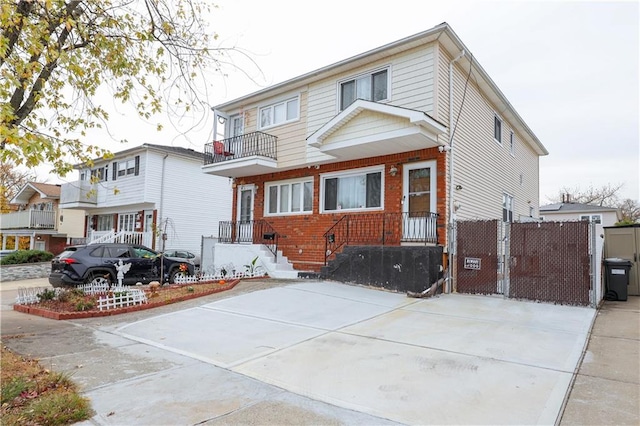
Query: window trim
x,y
370,73
272,106
289,182
508,197
590,217
497,128
348,173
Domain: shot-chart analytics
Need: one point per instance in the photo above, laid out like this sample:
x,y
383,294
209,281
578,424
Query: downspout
x,y
450,240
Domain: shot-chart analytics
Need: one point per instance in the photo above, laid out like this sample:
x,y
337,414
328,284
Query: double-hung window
x,y
280,113
370,87
354,190
507,207
127,167
591,218
497,129
290,197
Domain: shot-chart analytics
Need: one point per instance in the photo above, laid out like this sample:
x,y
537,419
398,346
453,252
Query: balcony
x,y
79,195
29,219
243,155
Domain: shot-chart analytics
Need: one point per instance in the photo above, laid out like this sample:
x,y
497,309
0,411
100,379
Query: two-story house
x,y
38,222
152,195
384,148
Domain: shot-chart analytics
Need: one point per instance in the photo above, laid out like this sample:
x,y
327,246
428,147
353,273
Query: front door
x,y
244,229
419,201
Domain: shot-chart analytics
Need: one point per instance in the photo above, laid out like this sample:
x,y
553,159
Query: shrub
x,y
26,256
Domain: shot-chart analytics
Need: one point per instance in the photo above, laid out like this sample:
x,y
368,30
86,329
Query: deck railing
x,y
381,229
241,146
249,231
30,219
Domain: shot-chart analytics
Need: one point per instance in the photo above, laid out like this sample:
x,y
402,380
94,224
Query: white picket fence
x,y
220,274
29,296
121,299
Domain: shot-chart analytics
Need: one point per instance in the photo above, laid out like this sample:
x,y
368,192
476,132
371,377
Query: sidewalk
x,y
606,390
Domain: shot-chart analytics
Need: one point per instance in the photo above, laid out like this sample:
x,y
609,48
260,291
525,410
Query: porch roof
x,y
348,133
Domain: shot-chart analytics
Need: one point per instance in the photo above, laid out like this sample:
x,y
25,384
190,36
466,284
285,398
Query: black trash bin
x,y
616,278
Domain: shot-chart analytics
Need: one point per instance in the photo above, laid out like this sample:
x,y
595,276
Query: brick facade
x,y
301,236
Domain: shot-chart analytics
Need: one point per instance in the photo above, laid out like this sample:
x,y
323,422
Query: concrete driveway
x,y
327,353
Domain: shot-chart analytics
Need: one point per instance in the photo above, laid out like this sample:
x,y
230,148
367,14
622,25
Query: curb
x,y
46,313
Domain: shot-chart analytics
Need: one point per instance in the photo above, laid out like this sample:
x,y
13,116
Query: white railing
x,y
123,237
80,191
32,219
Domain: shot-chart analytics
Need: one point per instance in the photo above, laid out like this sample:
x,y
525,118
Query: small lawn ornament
x,y
122,269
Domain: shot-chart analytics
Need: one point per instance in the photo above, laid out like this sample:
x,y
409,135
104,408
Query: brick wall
x,y
301,236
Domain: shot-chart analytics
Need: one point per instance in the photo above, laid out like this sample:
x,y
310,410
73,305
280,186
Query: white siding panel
x,y
368,123
193,203
484,168
412,75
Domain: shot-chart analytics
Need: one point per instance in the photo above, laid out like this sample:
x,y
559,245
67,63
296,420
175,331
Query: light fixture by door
x,y
393,170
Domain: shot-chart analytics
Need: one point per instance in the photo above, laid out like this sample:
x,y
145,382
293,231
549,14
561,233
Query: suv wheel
x,y
96,278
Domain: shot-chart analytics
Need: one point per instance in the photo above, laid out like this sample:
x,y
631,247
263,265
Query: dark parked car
x,y
185,254
97,263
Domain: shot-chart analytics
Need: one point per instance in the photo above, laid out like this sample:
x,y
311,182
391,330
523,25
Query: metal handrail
x,y
241,146
249,231
381,229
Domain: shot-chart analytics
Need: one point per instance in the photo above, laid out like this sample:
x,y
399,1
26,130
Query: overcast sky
x,y
569,68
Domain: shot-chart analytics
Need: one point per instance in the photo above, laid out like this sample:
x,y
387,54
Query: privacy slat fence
x,y
541,261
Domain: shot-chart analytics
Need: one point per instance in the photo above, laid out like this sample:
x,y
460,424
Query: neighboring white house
x,y
602,216
147,192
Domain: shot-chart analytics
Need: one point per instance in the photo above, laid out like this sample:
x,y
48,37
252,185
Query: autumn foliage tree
x,y
56,54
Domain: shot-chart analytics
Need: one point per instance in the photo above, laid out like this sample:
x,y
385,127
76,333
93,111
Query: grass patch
x,y
33,395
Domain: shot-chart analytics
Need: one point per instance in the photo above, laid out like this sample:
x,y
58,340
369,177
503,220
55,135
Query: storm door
x,y
244,223
419,202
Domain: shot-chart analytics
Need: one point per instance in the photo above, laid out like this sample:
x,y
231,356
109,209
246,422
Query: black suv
x,y
96,263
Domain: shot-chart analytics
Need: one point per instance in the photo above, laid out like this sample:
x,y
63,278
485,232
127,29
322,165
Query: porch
x,y
309,247
122,237
29,219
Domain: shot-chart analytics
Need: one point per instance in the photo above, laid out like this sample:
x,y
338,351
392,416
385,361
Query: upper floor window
x,y
99,174
497,128
592,218
512,143
279,113
130,166
353,190
370,87
289,197
507,208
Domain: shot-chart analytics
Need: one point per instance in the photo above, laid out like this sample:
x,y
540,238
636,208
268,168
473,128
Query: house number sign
x,y
472,263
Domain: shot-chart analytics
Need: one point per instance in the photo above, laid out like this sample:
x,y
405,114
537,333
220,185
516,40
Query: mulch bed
x,y
55,309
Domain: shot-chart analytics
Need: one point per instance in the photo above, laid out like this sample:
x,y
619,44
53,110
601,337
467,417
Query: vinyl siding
x,y
367,123
484,168
411,86
193,202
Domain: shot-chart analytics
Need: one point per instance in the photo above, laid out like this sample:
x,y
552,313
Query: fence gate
x,y
551,262
478,256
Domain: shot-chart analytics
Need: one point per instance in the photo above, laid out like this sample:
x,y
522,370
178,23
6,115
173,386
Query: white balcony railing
x,y
29,219
80,192
123,237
